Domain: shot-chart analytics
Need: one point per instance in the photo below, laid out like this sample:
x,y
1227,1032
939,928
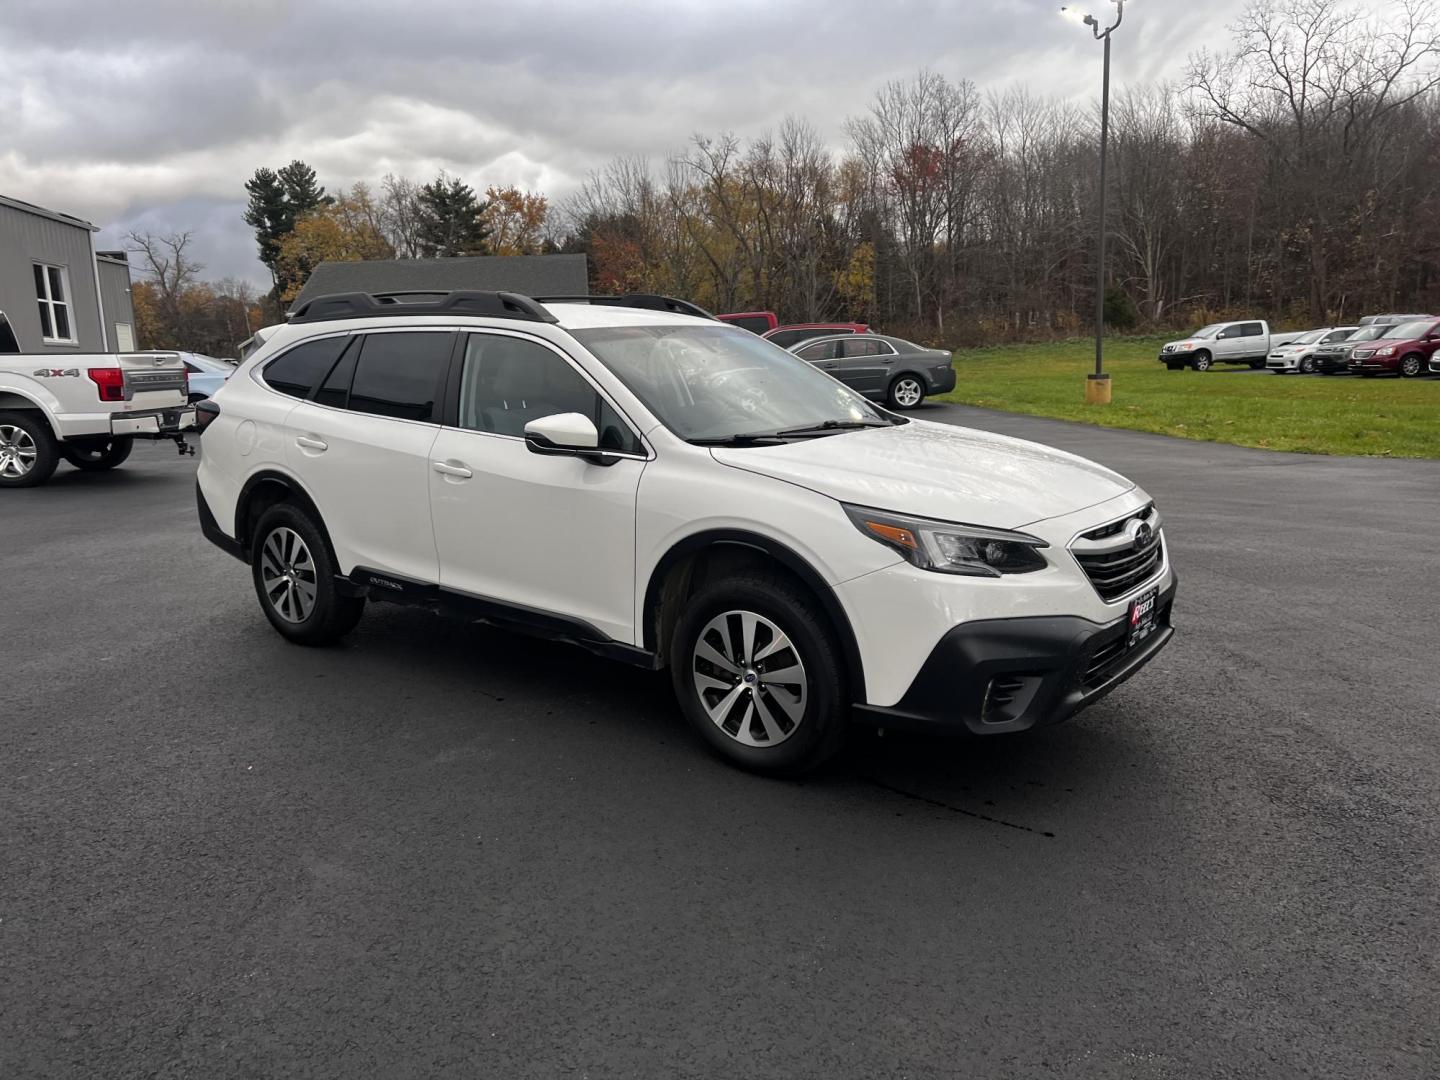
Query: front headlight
x,y
1389,350
951,549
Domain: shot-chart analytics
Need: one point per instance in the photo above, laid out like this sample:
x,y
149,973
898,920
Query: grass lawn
x,y
1315,414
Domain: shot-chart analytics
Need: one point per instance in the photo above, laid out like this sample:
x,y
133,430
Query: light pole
x,y
1097,386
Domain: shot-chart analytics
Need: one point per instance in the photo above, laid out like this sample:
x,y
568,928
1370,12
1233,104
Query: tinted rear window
x,y
296,372
399,375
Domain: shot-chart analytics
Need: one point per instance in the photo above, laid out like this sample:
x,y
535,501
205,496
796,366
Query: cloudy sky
x,y
151,114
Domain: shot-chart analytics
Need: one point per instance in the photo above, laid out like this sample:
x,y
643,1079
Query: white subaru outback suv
x,y
629,475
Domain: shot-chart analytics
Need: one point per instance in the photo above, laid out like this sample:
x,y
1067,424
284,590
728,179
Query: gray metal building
x,y
533,275
57,293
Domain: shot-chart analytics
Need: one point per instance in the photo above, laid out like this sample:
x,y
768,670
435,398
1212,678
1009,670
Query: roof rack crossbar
x,y
359,305
647,301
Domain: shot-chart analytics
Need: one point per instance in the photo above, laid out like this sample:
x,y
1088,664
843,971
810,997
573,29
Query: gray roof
x,y
532,275
40,211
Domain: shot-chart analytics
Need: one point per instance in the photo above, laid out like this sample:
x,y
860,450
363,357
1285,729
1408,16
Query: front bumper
x,y
1000,675
160,422
1177,357
1327,362
1375,363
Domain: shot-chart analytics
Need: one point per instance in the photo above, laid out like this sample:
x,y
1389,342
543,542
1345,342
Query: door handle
x,y
887,360
444,468
311,443
828,367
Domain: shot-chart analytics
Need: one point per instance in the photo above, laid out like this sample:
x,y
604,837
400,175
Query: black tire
x,y
99,455
821,701
28,452
1307,366
1257,365
907,386
1174,367
1411,366
1202,361
330,616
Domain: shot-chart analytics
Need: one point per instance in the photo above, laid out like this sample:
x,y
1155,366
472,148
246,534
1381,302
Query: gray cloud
x,y
153,113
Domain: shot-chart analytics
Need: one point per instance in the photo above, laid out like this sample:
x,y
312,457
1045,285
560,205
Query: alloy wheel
x,y
1410,366
287,573
908,393
17,451
750,678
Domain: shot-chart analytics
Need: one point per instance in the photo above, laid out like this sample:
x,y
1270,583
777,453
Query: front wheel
x,y
758,674
99,455
28,454
906,392
1307,366
295,579
1411,365
1202,361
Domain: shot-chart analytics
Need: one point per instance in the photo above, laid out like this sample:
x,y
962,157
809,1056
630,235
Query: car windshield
x,y
1310,338
1366,333
1209,331
712,383
1408,330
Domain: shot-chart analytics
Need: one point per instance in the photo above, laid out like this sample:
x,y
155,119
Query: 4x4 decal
x,y
57,373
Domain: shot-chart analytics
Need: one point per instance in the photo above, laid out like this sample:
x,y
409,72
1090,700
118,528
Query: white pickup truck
x,y
1245,342
88,409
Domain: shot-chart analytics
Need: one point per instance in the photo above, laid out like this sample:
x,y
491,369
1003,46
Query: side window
x,y
297,371
507,382
1252,329
861,345
399,375
785,338
821,350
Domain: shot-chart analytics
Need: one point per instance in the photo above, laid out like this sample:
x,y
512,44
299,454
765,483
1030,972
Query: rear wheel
x,y
294,576
758,674
28,454
906,392
1202,361
100,454
1411,365
1256,365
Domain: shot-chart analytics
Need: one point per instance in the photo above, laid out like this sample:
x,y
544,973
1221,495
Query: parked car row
x,y
1404,345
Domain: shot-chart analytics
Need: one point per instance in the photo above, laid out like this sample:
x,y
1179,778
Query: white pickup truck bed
x,y
86,409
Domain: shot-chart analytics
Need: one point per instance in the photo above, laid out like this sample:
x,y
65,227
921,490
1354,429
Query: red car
x,y
757,322
1404,349
785,336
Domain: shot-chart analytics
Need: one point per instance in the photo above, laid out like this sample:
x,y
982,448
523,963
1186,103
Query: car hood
x,y
937,471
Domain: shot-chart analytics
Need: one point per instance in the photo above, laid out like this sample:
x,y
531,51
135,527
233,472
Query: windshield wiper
x,y
832,425
753,438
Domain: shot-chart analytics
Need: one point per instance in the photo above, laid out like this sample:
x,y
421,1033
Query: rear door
x,y
866,363
823,354
361,445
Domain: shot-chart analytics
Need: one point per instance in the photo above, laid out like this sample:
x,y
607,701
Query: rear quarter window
x,y
296,371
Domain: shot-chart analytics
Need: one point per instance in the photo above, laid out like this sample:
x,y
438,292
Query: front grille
x,y
1121,555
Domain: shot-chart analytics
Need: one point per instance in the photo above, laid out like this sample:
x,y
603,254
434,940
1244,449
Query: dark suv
x,y
1402,350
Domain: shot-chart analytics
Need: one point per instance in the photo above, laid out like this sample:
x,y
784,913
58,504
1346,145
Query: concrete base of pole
x,y
1097,389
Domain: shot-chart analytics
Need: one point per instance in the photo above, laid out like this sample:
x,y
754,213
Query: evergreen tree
x,y
451,219
302,193
268,214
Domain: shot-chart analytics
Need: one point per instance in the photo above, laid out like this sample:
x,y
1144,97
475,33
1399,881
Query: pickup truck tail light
x,y
110,381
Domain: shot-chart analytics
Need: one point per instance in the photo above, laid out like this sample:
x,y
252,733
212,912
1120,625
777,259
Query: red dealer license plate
x,y
1142,617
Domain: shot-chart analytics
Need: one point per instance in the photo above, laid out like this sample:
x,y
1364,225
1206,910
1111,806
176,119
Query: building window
x,y
52,293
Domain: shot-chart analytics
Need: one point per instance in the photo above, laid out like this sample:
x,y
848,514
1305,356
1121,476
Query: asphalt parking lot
x,y
438,851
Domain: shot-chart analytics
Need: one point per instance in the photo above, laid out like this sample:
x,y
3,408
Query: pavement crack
x,y
956,809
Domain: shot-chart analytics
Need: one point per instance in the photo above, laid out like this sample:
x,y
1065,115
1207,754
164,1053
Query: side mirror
x,y
568,434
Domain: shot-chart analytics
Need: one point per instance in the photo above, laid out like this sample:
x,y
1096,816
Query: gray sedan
x,y
889,369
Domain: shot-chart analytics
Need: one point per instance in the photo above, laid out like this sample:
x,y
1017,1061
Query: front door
x,y
555,535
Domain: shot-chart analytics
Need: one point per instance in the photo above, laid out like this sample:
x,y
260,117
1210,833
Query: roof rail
x,y
358,305
648,301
